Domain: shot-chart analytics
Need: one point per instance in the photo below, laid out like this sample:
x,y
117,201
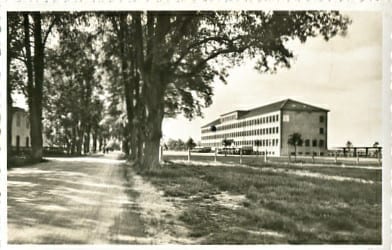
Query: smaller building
x,y
20,129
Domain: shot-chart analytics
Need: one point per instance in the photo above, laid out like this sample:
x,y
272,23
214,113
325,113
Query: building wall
x,y
245,133
308,124
21,129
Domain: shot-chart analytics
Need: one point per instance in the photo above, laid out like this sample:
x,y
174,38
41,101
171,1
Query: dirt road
x,y
84,200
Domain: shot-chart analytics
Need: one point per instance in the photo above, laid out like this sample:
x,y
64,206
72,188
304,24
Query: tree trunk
x,y
155,111
9,99
36,91
95,139
100,142
295,153
86,146
32,81
79,139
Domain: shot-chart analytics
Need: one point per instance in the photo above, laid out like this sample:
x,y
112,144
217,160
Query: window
x,y
307,142
314,143
321,143
321,130
277,118
27,123
321,118
27,142
17,119
277,129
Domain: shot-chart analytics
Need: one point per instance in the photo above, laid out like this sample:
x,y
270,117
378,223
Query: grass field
x,y
239,205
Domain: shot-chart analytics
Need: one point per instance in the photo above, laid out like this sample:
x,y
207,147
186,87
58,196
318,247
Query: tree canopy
x,y
148,65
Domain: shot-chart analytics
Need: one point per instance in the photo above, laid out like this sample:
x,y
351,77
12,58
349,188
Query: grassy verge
x,y
366,174
278,208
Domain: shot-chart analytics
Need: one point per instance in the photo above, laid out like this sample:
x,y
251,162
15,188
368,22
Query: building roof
x,y
213,123
286,104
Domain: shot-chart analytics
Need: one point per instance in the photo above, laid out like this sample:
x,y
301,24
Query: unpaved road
x,y
84,200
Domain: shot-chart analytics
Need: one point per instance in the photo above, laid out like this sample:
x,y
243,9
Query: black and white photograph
x,y
195,127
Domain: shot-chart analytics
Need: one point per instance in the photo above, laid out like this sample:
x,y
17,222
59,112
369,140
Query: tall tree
x,y
15,58
190,143
36,29
74,89
179,54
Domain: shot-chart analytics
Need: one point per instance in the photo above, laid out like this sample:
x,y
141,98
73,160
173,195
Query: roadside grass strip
x,y
232,204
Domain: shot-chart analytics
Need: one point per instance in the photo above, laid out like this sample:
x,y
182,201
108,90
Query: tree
x,y
190,144
227,142
14,69
160,63
295,140
28,33
179,54
73,108
376,144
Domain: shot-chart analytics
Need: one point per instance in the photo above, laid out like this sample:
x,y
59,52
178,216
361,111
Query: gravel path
x,y
84,200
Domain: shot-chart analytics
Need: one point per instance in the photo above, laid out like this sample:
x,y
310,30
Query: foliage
x,y
177,145
227,142
151,64
190,143
295,140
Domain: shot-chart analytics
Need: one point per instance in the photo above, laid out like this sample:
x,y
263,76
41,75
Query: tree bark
x,y
95,139
86,146
35,92
9,98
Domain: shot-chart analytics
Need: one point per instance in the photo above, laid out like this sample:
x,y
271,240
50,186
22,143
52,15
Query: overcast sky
x,y
343,75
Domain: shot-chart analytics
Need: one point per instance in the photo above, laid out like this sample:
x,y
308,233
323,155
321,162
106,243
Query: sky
x,y
343,75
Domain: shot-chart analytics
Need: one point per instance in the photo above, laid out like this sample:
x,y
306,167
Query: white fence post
x,y
215,154
240,155
160,153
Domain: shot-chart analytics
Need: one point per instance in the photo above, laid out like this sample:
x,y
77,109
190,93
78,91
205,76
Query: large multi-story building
x,y
268,128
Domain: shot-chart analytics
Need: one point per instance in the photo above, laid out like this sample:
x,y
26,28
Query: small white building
x,y
20,132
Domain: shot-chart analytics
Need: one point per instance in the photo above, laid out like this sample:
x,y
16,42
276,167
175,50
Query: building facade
x,y
267,129
20,129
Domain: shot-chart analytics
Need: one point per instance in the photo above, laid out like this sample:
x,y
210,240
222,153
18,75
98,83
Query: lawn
x,y
237,205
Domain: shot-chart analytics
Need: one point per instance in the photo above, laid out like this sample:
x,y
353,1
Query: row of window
x,y
262,131
229,118
267,143
306,143
261,143
261,120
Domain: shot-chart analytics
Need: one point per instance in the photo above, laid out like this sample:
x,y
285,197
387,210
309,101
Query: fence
x,y
257,159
